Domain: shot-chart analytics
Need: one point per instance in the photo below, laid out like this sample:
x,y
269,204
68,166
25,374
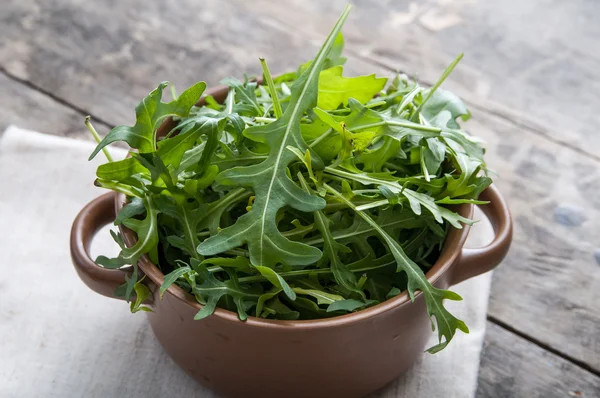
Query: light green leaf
x,y
276,280
121,170
264,297
334,89
321,296
142,293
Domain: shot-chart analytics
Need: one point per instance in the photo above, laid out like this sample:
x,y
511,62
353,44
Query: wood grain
x,y
549,285
106,58
513,367
25,107
516,57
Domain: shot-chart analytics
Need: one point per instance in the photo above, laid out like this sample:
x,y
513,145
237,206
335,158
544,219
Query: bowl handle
x,y
473,262
91,218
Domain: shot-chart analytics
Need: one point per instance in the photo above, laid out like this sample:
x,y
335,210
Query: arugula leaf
x,y
342,274
172,278
321,296
263,298
135,207
246,93
276,280
447,323
149,114
141,294
269,180
334,89
349,305
212,290
443,108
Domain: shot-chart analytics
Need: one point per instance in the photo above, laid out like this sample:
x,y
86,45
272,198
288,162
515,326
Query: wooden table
x,y
531,76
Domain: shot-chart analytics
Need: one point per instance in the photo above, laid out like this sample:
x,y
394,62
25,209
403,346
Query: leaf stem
x,y
90,127
413,126
266,120
271,86
375,104
437,84
320,271
321,138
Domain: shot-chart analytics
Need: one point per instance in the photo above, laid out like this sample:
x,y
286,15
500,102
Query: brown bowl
x,y
346,356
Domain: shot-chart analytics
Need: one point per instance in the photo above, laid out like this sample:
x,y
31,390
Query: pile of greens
x,y
310,196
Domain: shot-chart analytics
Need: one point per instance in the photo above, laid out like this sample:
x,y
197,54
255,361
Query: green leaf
x,y
146,230
238,263
447,324
349,305
264,297
272,91
443,108
321,296
121,170
448,201
212,290
334,89
331,249
435,88
149,114
393,293
440,213
415,199
187,215
235,182
141,294
279,310
171,277
172,150
276,280
245,93
335,57
270,182
131,209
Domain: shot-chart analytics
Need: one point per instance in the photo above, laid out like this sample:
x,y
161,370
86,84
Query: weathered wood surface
x,y
549,285
513,367
103,58
535,60
27,108
106,57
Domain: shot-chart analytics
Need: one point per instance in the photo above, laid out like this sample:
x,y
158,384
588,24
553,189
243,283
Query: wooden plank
x,y
513,367
106,58
113,56
516,59
549,285
27,108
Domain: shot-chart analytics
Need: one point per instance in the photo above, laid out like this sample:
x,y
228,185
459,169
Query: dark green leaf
x,y
149,114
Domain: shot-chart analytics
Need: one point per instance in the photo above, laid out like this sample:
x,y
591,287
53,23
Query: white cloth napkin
x,y
60,339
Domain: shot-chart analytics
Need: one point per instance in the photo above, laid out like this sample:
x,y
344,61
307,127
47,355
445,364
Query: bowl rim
x,y
451,250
